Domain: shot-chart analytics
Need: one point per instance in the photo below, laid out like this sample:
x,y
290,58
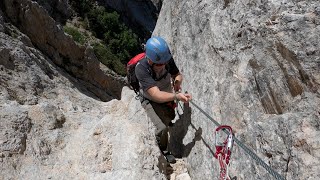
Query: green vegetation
x,y
76,35
82,7
119,43
105,55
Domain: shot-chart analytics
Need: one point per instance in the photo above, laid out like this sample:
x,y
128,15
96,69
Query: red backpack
x,y
131,75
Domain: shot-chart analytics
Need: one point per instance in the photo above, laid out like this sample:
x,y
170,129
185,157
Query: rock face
x,y
254,65
59,10
43,31
52,123
50,127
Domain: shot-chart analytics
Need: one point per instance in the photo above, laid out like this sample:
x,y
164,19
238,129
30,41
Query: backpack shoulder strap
x,y
146,66
151,71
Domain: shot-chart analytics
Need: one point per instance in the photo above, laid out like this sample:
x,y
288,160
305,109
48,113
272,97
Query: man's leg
x,y
163,139
166,114
161,116
160,126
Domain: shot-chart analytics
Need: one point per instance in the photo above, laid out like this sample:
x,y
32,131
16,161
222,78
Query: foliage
x,y
82,7
119,42
107,26
106,57
76,35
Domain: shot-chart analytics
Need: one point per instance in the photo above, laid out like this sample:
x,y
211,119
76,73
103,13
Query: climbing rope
x,y
245,148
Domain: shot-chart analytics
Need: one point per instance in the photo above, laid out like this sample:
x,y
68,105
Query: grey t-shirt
x,y
148,78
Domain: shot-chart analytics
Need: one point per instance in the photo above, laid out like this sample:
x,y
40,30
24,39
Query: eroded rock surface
x,y
52,126
48,36
253,65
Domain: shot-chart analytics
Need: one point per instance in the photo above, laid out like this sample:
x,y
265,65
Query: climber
x,y
160,86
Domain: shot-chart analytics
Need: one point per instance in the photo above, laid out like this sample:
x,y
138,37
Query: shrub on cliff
x,y
106,57
107,26
119,42
76,35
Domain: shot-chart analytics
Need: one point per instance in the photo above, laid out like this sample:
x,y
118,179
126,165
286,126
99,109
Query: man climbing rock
x,y
160,81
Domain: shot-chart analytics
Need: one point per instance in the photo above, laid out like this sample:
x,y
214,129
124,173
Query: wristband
x,y
175,97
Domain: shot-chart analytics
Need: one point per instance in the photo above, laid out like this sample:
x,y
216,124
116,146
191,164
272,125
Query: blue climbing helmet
x,y
157,50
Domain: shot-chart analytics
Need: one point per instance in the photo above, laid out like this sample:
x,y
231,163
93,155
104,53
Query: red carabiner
x,y
224,149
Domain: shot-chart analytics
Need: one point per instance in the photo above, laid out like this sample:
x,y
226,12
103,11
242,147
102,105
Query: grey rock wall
x,y
52,128
59,10
254,65
52,124
48,36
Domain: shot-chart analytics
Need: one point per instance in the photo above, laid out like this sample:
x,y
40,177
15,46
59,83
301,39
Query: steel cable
x,y
244,147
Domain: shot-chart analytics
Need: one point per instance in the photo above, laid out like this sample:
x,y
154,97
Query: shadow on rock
x,y
179,130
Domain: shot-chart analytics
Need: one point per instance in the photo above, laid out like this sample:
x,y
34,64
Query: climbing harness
x,y
245,148
224,144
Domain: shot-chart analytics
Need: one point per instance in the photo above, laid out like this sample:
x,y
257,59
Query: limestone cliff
x,y
47,35
53,122
52,127
254,65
